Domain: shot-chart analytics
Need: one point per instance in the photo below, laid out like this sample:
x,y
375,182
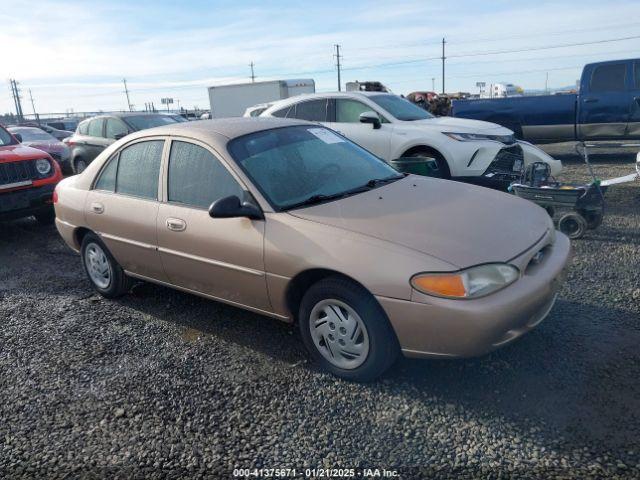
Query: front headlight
x,y
473,282
43,166
473,137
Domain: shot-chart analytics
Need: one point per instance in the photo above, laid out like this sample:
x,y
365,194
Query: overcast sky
x,y
74,54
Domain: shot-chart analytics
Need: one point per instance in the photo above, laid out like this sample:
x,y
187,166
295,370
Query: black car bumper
x,y
24,203
505,169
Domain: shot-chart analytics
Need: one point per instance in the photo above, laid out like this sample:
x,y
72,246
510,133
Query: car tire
x,y
572,224
346,330
593,219
46,218
79,165
103,271
443,166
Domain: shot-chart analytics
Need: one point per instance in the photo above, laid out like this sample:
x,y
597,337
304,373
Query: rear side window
x,y
313,111
286,112
107,180
609,78
139,169
83,128
197,178
95,127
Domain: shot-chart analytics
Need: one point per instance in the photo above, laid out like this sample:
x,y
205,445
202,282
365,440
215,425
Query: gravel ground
x,y
164,384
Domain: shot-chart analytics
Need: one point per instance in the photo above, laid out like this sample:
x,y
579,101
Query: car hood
x,y
55,147
461,224
15,153
460,125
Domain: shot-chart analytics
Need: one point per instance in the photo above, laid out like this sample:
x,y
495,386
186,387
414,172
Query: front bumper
x,y
505,168
438,327
27,202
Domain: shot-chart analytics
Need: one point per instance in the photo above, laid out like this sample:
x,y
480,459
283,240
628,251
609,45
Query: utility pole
x,y
15,91
546,84
37,117
126,91
443,59
253,77
338,56
433,84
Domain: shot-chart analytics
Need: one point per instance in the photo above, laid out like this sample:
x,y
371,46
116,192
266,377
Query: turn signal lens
x,y
473,282
444,285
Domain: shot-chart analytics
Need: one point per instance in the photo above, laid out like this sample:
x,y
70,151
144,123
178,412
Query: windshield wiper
x,y
374,182
319,198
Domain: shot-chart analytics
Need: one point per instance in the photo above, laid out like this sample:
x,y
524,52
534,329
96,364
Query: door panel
x,y
221,257
604,107
127,225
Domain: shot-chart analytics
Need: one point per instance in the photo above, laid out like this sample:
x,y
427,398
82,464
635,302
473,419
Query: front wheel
x,y
346,330
104,272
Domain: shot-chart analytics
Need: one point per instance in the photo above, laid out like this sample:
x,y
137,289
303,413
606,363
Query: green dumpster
x,y
425,166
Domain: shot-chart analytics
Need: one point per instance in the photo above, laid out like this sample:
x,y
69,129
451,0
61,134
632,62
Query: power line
x,y
546,47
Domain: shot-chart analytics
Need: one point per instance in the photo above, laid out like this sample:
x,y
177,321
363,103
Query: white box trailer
x,y
232,100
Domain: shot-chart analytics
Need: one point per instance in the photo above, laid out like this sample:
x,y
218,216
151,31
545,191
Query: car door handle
x,y
590,100
97,208
176,224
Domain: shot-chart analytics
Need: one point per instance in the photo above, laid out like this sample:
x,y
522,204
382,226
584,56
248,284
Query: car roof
x,y
220,130
310,96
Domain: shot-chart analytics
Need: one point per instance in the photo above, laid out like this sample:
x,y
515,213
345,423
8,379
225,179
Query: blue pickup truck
x,y
607,107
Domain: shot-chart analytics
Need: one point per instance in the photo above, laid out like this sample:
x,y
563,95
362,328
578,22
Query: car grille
x,y
505,159
16,172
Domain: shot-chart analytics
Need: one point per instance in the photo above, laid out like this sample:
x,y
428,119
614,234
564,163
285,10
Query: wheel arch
x,y
79,234
302,281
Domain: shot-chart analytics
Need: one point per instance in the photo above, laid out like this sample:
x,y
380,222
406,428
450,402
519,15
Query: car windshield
x,y
400,108
5,138
302,165
33,135
142,122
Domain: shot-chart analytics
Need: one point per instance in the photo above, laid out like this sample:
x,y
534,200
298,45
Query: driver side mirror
x,y
18,137
371,117
118,136
232,207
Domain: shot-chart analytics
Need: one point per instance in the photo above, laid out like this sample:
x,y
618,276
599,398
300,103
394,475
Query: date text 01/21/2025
x,y
315,473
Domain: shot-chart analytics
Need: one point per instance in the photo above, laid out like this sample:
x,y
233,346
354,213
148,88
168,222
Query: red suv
x,y
27,179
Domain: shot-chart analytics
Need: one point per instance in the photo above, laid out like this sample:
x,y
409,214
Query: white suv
x,y
391,127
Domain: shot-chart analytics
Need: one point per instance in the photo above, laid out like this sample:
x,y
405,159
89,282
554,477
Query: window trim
x,y
117,153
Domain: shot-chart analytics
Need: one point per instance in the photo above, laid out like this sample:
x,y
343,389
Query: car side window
x,y
286,112
83,128
609,78
197,178
348,111
107,179
95,127
138,169
636,75
115,127
313,111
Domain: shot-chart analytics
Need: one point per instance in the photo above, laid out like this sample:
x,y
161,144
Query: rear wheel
x,y
346,331
572,224
103,271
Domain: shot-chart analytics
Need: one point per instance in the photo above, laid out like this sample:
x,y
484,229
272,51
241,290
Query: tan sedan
x,y
291,220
